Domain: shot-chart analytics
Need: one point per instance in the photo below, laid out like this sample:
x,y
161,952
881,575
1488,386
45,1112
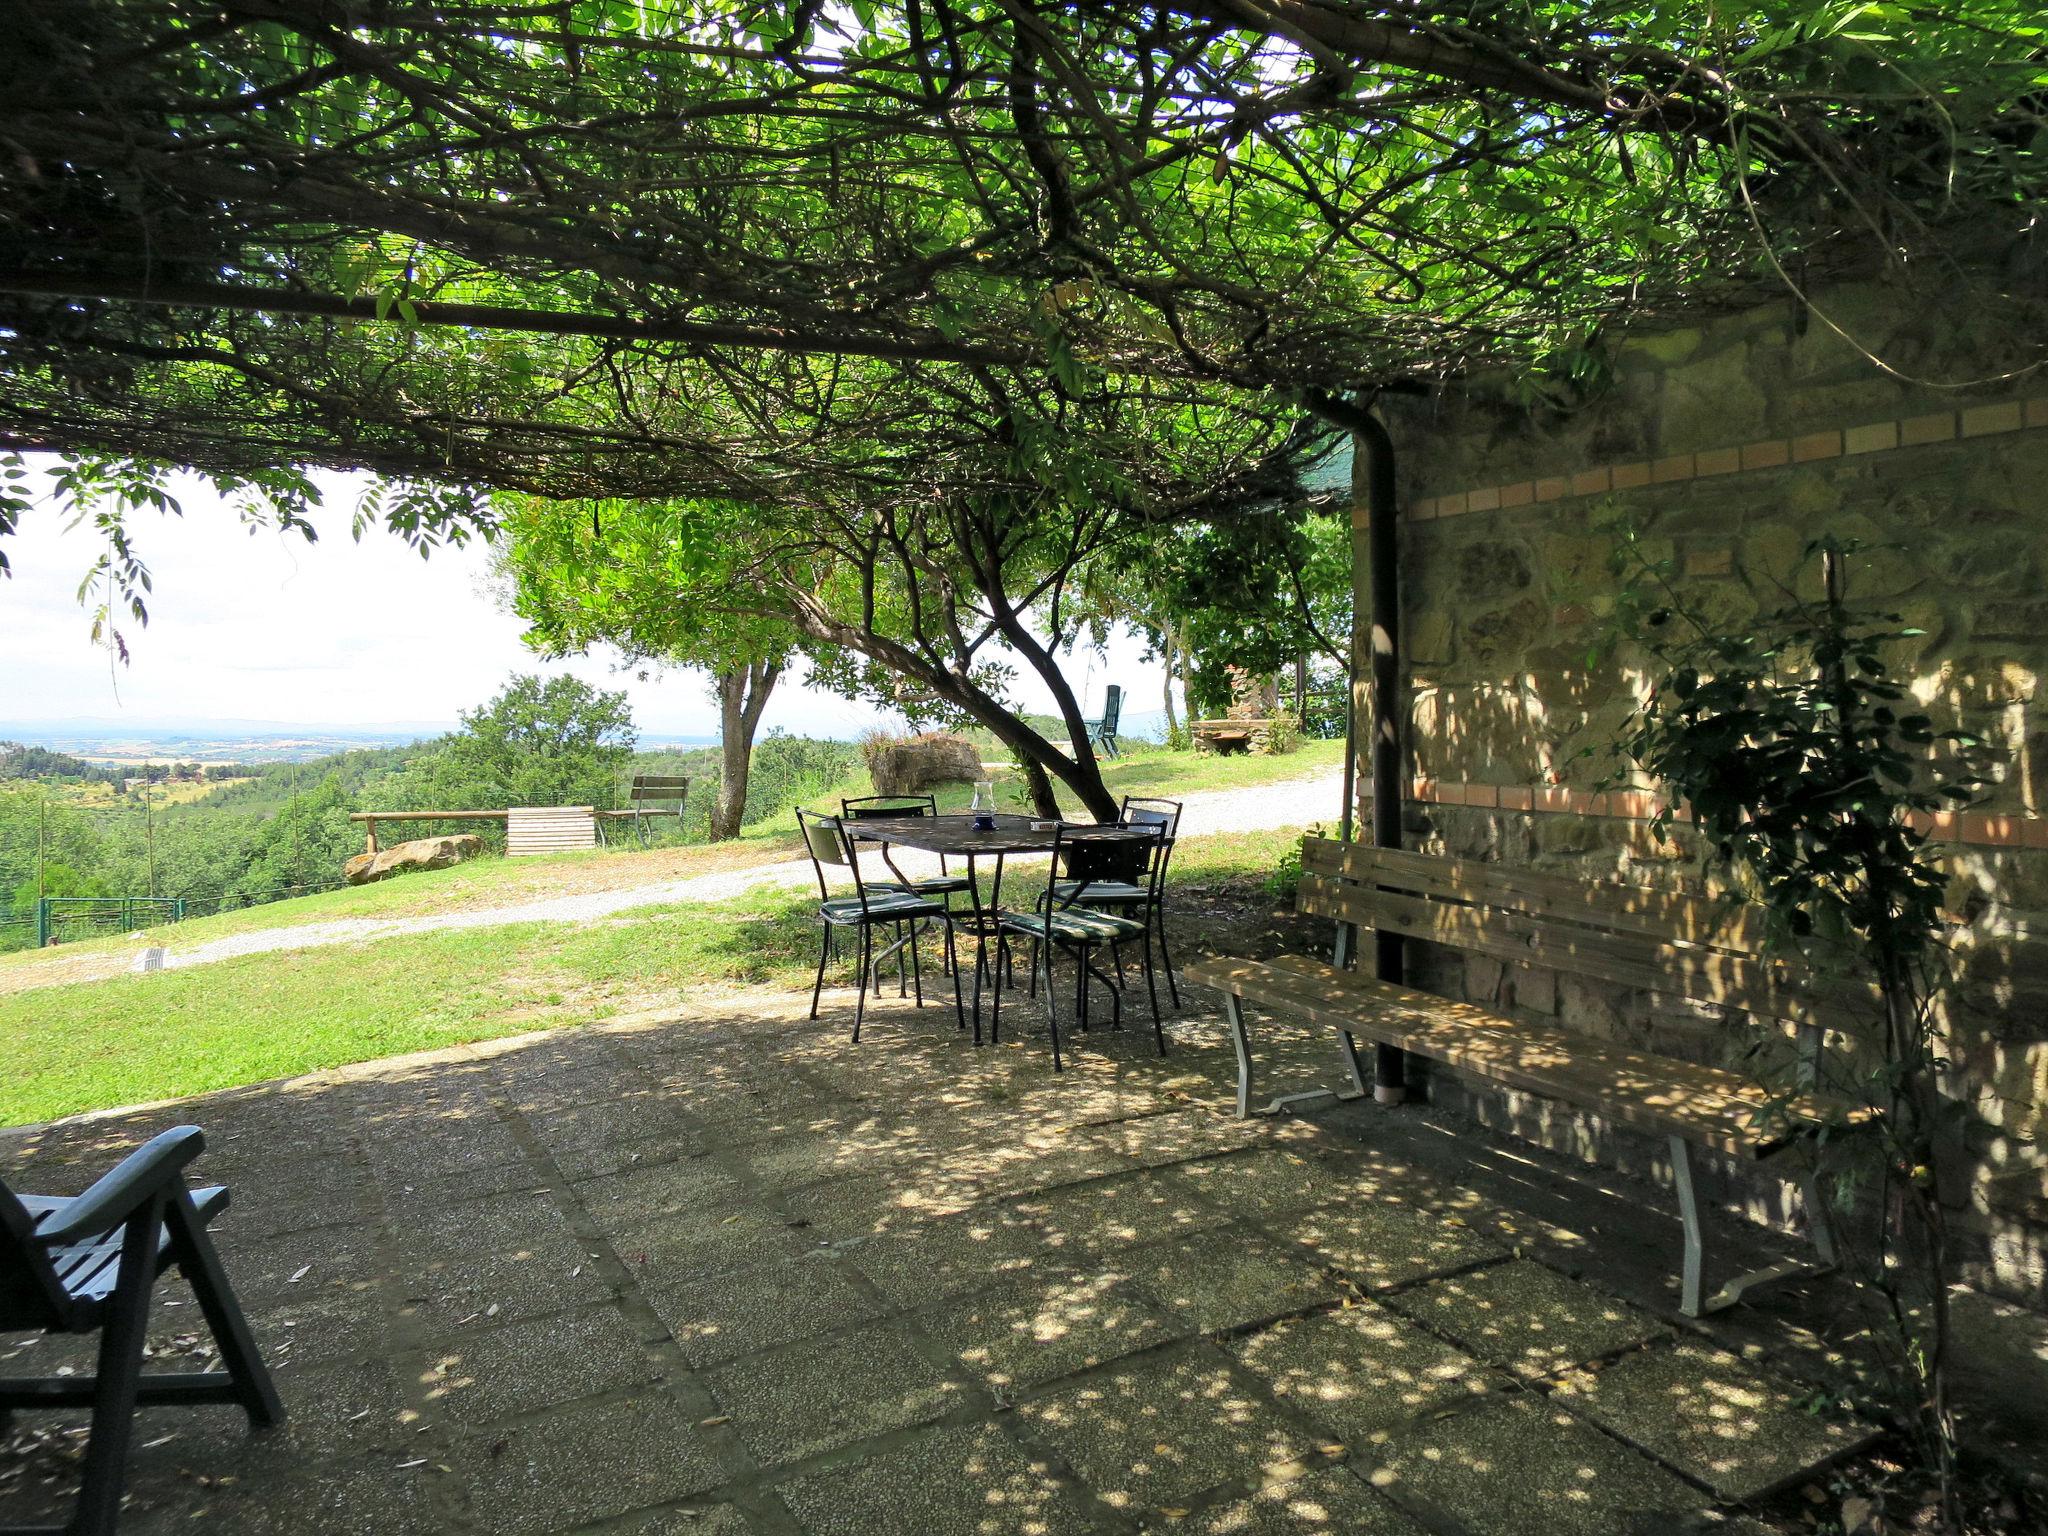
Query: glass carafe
x,y
983,809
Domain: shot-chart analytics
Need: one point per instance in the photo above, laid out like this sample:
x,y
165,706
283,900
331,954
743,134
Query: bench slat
x,y
1705,1105
1701,974
1668,915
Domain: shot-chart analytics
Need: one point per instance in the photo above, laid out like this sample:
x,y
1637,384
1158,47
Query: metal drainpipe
x,y
1388,712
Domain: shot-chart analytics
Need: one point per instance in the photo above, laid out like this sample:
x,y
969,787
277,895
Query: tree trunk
x,y
742,696
1168,650
1037,757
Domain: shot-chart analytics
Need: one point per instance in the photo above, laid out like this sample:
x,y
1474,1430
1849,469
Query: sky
x,y
254,625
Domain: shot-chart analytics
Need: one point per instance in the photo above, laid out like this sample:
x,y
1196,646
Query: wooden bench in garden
x,y
1664,942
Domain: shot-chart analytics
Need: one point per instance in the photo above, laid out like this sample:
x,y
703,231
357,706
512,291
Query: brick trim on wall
x,y
1768,453
1978,828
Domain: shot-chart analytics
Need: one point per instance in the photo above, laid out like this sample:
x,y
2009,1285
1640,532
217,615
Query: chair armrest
x,y
156,1165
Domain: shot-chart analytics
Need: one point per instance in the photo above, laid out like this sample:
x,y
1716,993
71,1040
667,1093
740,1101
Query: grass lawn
x,y
497,882
131,1039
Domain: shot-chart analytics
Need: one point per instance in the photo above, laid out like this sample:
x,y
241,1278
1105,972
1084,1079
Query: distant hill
x,y
127,742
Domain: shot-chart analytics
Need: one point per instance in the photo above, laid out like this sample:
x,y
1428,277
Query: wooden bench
x,y
656,794
1665,942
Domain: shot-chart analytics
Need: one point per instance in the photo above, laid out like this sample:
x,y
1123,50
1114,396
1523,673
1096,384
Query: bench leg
x,y
1693,1300
1347,1051
1233,1009
1689,1215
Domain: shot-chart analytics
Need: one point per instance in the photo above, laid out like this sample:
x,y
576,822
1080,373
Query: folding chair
x,y
89,1264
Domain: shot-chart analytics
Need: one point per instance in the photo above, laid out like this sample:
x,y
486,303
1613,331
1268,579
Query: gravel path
x,y
1288,803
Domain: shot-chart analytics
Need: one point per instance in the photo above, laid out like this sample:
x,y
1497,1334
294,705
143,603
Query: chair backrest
x,y
1112,708
1670,942
31,1295
1145,810
825,842
869,807
1128,852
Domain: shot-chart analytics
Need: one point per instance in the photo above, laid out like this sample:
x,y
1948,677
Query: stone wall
x,y
1727,447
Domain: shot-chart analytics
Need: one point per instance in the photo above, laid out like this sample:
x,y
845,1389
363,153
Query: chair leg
x,y
902,963
1152,991
867,962
200,1263
1080,985
916,967
824,954
1166,955
1052,1018
1035,946
123,1332
995,1013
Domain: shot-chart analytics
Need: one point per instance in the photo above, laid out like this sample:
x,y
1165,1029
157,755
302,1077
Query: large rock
x,y
909,765
420,853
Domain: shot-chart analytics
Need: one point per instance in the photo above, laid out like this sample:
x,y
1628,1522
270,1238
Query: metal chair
x,y
876,807
1115,888
1059,922
827,841
88,1264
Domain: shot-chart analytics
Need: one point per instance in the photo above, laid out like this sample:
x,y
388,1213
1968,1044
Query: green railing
x,y
112,914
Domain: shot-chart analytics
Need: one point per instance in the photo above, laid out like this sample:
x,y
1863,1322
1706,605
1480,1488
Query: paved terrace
x,y
728,1273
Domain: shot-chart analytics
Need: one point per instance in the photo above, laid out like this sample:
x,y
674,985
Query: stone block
x,y
1494,568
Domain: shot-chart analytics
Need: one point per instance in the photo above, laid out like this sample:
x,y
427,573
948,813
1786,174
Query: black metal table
x,y
957,837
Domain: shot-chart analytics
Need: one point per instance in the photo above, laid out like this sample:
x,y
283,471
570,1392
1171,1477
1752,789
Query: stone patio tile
x,y
321,1327
614,1117
549,1274
585,1462
495,1373
1227,1278
874,1203
274,1271
380,1497
1048,1324
795,1402
353,1409
1516,1465
408,1148
1131,1208
689,1520
608,1157
923,1264
508,1223
661,1189
1151,1140
1705,1412
1036,1161
1360,1371
1329,1503
748,1310
421,1202
1377,1245
1149,1434
689,1245
1266,1180
536,1092
1528,1319
970,1481
848,1146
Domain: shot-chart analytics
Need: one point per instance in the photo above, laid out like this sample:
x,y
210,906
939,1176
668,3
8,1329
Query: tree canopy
x,y
606,241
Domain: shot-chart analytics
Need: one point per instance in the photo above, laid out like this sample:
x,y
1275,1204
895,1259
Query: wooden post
x,y
1388,709
371,823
